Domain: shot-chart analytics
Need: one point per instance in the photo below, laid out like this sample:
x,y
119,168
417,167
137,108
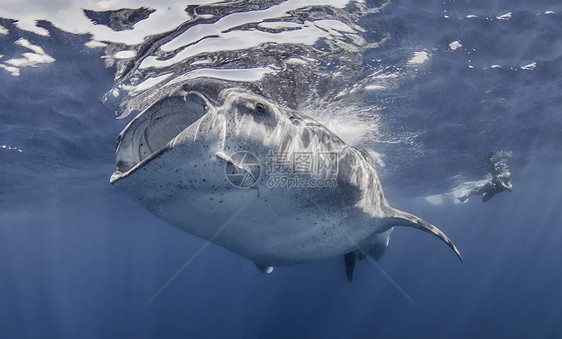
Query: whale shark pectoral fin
x,y
350,259
400,218
265,269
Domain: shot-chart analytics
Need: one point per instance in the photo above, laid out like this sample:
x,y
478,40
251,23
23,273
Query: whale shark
x,y
220,161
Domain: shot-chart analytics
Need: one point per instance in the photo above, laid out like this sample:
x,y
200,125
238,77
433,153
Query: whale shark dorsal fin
x,y
350,259
401,218
265,269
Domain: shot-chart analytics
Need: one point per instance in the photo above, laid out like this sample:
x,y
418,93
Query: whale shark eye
x,y
260,107
295,121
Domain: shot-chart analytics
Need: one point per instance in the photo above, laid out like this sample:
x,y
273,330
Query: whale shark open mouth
x,y
155,127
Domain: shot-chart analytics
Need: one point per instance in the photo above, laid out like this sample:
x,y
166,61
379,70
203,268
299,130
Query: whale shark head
x,y
215,112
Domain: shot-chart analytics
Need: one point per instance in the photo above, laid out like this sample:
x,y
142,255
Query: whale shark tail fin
x,y
401,218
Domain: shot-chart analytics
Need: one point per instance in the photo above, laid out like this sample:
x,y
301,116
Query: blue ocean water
x,y
430,88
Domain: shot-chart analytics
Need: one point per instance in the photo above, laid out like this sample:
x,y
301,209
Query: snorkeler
x,y
500,178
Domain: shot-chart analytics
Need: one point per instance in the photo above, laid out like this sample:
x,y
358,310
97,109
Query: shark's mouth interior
x,y
155,127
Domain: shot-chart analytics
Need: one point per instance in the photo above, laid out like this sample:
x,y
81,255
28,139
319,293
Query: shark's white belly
x,y
270,226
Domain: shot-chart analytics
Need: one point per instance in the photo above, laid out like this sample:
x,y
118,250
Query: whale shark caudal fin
x,y
401,218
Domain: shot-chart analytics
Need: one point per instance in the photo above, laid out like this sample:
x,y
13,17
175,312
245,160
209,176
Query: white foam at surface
x,y
346,123
374,87
167,15
95,44
125,54
235,40
436,199
298,61
69,16
10,148
15,71
31,26
455,45
146,84
38,56
25,43
419,58
530,66
201,62
349,128
386,76
278,24
236,19
247,74
505,16
333,25
3,30
215,38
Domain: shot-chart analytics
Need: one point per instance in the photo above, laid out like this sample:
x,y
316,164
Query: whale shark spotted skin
x,y
225,164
